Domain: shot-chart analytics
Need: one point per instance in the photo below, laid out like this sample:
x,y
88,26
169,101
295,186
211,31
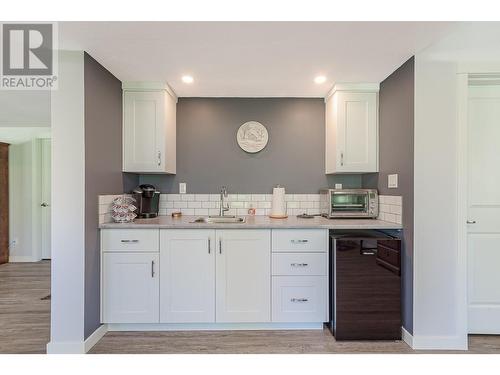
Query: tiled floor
x,y
25,326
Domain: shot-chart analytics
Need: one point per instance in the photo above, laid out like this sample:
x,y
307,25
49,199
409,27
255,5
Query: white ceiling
x,y
251,59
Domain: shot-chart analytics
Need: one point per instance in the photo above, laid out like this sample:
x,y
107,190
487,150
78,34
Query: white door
x,y
484,210
45,197
357,132
243,276
187,283
130,288
143,131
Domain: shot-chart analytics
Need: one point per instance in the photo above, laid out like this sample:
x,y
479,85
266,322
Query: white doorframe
x,y
36,219
490,71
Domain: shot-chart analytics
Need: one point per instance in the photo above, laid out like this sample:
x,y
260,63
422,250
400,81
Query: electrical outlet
x,y
13,244
182,188
392,181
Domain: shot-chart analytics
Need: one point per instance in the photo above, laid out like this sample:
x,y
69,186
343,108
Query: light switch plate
x,y
392,181
182,188
338,186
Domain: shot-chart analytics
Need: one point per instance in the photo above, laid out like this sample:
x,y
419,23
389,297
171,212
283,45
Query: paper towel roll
x,y
278,207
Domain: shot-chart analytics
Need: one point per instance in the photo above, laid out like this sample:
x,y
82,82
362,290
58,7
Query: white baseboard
x,y
66,347
95,337
407,337
77,347
211,326
21,259
440,342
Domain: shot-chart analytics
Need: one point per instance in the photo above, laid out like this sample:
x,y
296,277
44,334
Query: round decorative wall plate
x,y
252,136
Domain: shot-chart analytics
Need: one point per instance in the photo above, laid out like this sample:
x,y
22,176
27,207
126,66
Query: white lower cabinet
x,y
243,277
299,299
214,276
188,276
130,288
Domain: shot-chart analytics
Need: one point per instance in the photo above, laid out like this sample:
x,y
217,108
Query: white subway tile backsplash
x,y
180,204
207,204
194,204
201,211
258,197
264,204
391,208
201,197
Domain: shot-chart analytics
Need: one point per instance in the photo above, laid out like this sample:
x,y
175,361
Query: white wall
x,y
437,295
440,294
20,202
68,184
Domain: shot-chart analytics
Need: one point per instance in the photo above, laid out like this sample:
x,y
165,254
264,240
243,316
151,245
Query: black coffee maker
x,y
148,201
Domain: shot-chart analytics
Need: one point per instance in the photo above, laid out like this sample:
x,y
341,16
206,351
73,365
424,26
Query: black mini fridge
x,y
365,285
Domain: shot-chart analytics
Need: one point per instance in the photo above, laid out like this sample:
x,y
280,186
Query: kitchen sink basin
x,y
220,220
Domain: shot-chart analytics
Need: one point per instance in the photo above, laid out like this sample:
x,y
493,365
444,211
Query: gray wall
x,y
103,165
396,156
208,155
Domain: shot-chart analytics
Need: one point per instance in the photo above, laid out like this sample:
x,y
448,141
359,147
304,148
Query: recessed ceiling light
x,y
187,79
320,79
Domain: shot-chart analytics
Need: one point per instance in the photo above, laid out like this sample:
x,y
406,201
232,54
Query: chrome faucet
x,y
223,207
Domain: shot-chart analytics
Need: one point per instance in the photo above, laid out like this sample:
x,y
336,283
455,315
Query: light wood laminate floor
x,y
25,327
24,317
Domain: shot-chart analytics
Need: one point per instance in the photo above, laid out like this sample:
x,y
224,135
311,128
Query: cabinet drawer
x,y
299,299
300,240
299,264
136,240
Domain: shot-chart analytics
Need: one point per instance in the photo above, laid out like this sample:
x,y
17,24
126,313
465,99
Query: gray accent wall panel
x,y
103,170
396,137
208,155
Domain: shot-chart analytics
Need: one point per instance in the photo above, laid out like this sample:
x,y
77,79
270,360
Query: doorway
x,y
483,206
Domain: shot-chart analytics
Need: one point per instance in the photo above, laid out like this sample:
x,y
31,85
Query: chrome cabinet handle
x,y
342,158
471,221
299,264
209,245
152,268
220,245
159,158
44,204
129,241
299,241
295,300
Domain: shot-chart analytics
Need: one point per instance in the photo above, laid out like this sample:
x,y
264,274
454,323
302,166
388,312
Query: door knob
x,y
471,221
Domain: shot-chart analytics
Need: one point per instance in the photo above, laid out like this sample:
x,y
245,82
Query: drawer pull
x,y
129,241
299,264
299,241
298,300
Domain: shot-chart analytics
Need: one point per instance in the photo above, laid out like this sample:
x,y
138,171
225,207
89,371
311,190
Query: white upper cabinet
x,y
149,129
352,129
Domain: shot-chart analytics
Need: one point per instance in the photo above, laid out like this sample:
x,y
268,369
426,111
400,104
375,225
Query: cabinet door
x,y
143,131
188,276
243,277
357,132
130,290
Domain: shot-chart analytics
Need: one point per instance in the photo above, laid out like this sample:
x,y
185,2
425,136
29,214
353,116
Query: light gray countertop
x,y
263,222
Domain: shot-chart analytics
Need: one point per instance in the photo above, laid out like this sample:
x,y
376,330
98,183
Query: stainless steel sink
x,y
220,220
